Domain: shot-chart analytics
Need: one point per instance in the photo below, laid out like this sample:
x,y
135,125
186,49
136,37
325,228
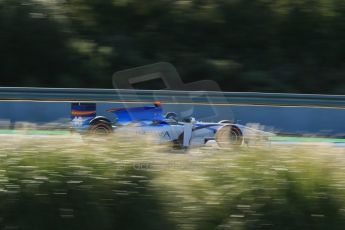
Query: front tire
x,y
229,136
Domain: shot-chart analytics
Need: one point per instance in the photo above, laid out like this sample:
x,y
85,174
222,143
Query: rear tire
x,y
100,128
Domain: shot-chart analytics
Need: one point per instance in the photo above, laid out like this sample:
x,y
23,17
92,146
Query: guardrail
x,y
166,96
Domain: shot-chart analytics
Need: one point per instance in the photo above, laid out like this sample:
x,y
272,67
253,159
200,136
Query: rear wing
x,y
82,114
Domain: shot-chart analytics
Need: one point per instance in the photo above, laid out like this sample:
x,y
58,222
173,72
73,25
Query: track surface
x,y
276,140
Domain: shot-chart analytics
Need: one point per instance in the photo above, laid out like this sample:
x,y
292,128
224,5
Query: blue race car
x,y
166,127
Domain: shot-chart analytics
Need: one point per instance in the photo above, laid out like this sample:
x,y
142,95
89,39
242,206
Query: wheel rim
x,y
100,129
229,136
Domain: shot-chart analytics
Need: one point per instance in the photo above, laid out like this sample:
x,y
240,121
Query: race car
x,y
165,127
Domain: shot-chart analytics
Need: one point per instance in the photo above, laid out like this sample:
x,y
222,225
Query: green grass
x,y
127,183
297,139
307,139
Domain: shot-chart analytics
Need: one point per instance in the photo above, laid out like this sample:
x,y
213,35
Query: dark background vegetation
x,y
245,45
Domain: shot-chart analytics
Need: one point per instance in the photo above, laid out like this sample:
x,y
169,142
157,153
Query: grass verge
x,y
127,183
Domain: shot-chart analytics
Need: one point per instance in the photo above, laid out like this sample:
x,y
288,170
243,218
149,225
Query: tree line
x,y
244,45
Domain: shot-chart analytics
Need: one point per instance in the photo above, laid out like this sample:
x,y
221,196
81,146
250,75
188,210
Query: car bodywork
x,y
165,127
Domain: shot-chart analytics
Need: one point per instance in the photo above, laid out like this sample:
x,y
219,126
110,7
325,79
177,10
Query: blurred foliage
x,y
65,183
245,45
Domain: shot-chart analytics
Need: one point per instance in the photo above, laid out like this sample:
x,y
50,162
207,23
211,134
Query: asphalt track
x,y
275,140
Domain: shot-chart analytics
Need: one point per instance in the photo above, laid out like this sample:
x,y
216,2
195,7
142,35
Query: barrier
x,y
296,114
166,96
